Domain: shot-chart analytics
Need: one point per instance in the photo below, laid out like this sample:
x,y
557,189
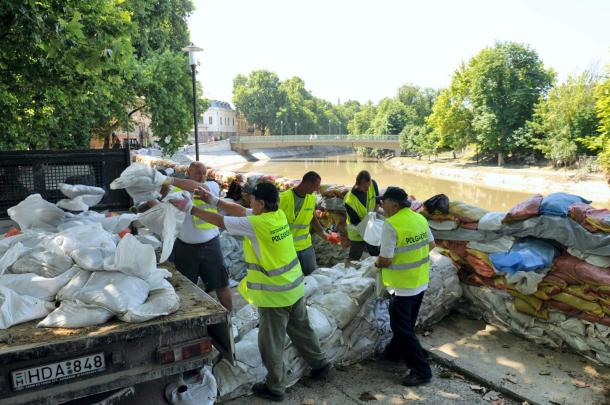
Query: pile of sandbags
x,y
88,264
548,254
233,255
350,321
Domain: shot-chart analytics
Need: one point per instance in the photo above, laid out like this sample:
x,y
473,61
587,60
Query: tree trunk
x,y
500,158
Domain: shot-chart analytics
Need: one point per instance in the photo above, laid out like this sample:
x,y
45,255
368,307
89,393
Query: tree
x,y
73,70
391,117
504,83
451,116
565,122
361,122
258,97
420,100
602,108
420,139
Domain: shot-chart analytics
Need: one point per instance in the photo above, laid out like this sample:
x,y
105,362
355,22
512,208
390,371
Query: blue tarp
x,y
525,255
557,204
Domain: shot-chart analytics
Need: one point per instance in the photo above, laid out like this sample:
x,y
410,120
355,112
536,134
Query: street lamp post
x,y
329,127
281,127
295,128
191,49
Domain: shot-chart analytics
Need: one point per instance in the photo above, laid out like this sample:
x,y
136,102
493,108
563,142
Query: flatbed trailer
x,y
55,365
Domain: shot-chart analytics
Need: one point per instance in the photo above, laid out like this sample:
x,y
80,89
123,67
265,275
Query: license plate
x,y
62,370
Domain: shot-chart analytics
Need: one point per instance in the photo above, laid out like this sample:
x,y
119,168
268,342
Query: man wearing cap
x,y
403,261
359,201
299,205
274,282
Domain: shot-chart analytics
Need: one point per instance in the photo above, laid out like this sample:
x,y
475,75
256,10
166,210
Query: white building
x,y
219,121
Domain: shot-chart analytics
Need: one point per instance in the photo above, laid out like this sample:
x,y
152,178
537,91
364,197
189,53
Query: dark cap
x,y
396,194
266,192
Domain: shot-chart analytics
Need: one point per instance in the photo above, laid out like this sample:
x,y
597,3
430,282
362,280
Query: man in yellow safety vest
x,y
274,282
299,205
403,260
359,201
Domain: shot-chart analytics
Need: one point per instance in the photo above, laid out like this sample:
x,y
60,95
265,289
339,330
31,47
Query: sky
x,y
365,50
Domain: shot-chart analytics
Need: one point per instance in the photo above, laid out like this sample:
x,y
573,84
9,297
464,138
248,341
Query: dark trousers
x,y
404,344
356,248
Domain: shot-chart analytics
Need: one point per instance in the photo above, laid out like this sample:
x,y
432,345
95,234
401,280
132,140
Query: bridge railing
x,y
313,138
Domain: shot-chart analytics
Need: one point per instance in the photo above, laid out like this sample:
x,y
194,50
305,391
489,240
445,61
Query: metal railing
x,y
315,138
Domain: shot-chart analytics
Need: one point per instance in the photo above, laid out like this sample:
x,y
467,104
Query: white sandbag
x,y
117,223
74,314
443,225
199,390
500,245
322,324
158,278
334,347
311,285
235,381
43,263
80,203
294,365
91,258
36,213
160,302
358,288
12,255
526,282
77,190
491,221
150,240
338,305
372,232
28,238
142,182
165,221
16,308
36,286
322,280
76,283
245,319
134,258
596,260
79,237
115,291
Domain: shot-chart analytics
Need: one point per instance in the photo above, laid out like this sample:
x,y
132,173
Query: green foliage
x,y
361,121
565,123
276,106
602,108
69,70
451,116
420,139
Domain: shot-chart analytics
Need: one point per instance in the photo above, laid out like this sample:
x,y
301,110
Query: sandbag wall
x,y
542,269
350,321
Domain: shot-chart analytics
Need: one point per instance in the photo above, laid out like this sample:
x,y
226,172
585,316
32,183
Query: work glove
x,y
185,204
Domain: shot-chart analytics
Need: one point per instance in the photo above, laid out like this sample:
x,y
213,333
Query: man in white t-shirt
x,y
197,250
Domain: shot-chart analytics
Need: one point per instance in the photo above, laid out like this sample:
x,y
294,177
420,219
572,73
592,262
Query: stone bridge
x,y
243,144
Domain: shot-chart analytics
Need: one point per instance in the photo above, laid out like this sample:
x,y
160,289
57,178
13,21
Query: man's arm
x,y
210,217
388,243
318,228
231,208
353,217
186,184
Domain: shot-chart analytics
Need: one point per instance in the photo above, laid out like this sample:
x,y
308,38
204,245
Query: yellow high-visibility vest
x,y
299,224
274,279
411,264
199,203
354,203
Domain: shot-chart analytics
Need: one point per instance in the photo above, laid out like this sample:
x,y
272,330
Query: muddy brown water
x,y
342,169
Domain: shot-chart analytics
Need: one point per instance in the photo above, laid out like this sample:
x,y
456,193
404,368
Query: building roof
x,y
222,105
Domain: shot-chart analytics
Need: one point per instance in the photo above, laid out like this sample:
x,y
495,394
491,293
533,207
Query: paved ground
x,y
378,382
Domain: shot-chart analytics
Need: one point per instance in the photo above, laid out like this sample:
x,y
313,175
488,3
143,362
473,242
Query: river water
x,y
342,169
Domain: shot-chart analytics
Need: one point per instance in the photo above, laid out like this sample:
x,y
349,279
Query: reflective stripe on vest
x,y
274,277
199,203
274,272
299,224
272,287
411,263
354,203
